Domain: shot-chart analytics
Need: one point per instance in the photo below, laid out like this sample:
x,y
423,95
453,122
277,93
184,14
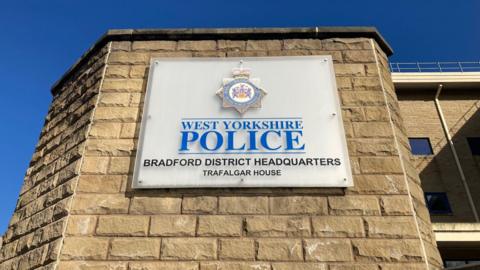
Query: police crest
x,y
241,92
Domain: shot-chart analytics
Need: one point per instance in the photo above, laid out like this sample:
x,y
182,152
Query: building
x,y
439,105
82,206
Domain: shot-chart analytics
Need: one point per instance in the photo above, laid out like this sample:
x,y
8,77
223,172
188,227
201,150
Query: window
x,y
474,144
420,146
437,203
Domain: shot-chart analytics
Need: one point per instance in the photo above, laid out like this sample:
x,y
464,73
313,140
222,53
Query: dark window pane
x,y
474,144
420,146
437,203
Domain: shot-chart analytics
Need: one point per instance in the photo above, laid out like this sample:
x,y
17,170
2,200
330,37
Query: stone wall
x,y
34,236
380,223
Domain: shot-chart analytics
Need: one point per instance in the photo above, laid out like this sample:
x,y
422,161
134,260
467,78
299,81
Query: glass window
x,y
420,146
474,144
437,203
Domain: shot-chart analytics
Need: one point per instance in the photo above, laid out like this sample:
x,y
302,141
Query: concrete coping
x,y
226,33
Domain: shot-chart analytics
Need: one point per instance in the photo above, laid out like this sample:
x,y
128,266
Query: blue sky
x,y
40,40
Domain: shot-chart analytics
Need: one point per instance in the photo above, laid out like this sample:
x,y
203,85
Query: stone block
x,y
25,243
264,45
89,265
117,71
130,130
154,45
95,165
353,114
197,45
277,226
173,225
354,205
299,266
347,44
53,252
120,165
121,46
391,227
179,54
328,250
155,205
135,249
110,147
231,45
199,205
280,250
354,266
100,183
128,58
243,205
50,232
116,114
33,259
330,226
299,205
362,98
81,225
302,44
344,83
366,83
84,248
378,184
114,99
380,165
123,226
396,205
219,226
237,249
372,70
409,266
387,250
105,130
247,53
372,147
135,99
359,56
163,266
123,85
349,69
100,204
290,53
8,250
375,113
189,249
234,266
373,129
138,71
209,54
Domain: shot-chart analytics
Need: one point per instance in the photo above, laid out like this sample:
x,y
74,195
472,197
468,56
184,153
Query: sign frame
x,y
138,183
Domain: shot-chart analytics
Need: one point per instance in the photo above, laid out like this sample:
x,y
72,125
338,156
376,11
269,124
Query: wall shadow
x,y
439,172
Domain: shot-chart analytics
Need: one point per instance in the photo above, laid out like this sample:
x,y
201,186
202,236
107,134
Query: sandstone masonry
x,y
76,210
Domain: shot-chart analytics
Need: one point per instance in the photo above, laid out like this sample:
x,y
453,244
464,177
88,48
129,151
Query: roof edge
x,y
225,33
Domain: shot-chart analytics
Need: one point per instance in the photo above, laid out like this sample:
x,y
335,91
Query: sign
x,y
249,122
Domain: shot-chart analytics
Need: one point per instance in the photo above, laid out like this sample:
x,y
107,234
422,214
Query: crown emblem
x,y
241,92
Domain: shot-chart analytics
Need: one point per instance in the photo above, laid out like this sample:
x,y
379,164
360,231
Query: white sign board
x,y
249,122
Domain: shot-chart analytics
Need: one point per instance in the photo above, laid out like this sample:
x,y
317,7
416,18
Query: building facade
x,y
77,208
440,111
